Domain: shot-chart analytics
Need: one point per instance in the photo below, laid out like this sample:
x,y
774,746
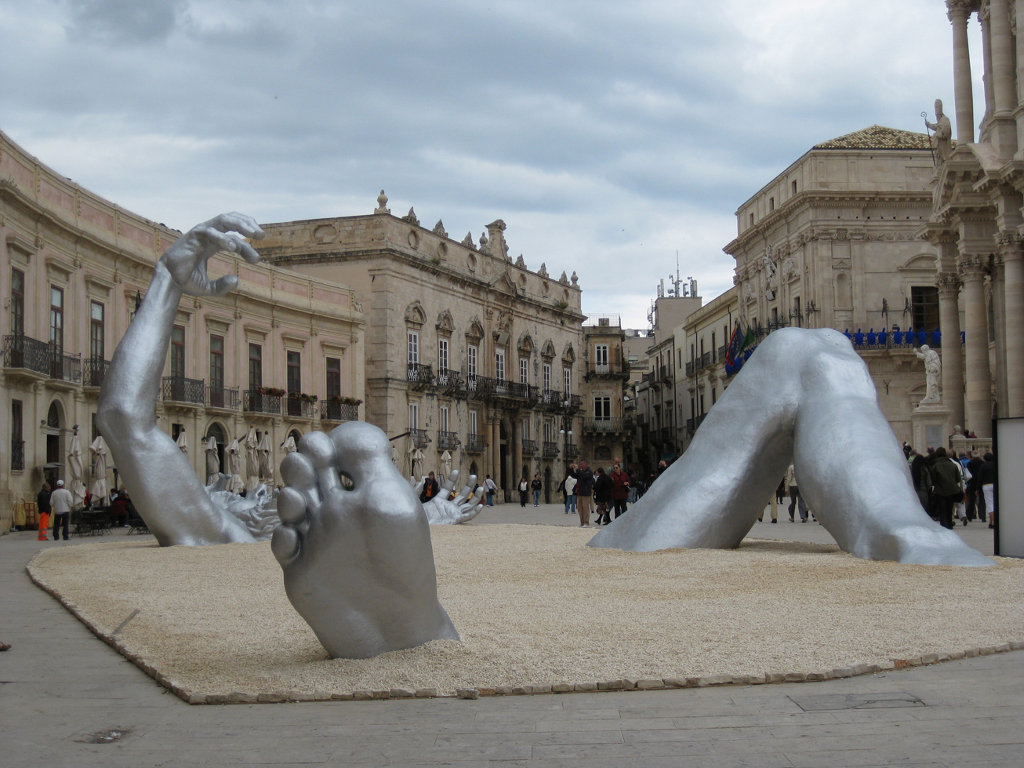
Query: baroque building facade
x,y
977,222
73,267
607,417
833,242
471,358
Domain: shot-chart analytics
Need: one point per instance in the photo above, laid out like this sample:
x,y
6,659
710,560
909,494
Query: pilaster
x,y
948,284
978,386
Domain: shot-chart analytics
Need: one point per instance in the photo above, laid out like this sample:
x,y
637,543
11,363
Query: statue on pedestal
x,y
932,369
942,139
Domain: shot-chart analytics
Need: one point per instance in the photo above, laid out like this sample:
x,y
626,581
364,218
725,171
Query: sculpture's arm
x,y
153,468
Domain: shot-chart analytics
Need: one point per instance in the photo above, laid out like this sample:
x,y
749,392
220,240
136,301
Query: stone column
x,y
978,395
1004,87
952,357
1013,297
958,12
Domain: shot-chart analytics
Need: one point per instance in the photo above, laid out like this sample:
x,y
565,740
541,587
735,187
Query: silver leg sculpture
x,y
804,397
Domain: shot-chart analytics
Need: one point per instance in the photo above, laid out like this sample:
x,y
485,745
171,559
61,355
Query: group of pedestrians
x,y
952,487
601,492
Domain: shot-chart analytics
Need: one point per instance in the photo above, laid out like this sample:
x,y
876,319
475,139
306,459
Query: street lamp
x,y
566,432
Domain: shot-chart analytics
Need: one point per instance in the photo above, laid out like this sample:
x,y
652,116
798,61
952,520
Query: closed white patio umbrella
x,y
76,475
99,488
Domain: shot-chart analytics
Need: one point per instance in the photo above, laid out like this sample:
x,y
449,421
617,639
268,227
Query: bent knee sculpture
x,y
806,398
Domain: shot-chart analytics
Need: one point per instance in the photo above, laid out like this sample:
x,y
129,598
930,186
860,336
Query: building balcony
x,y
602,426
40,360
300,406
572,451
550,450
447,441
223,397
258,401
475,443
529,447
419,375
95,371
178,389
448,382
420,438
338,411
479,387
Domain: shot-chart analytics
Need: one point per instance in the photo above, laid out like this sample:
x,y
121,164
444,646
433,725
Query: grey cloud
x,y
122,21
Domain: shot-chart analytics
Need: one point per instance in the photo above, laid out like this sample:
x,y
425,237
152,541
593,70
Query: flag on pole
x,y
736,344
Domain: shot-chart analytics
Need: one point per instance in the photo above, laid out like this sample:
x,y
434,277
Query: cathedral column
x,y
958,12
978,387
1003,74
1013,297
952,356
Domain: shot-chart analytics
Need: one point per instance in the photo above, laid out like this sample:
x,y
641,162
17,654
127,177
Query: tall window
x,y
547,377
601,358
471,356
602,408
566,380
924,307
443,418
17,441
97,331
525,429
473,423
57,318
17,302
178,352
524,370
442,355
414,347
414,415
294,372
255,366
333,377
216,362
499,364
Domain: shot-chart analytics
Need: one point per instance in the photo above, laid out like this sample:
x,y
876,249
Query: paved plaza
x,y
67,699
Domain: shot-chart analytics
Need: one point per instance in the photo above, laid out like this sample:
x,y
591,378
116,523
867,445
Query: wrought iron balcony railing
x,y
603,426
529,447
223,397
339,411
181,390
254,401
475,443
299,408
40,357
550,449
95,371
447,441
419,375
419,437
572,451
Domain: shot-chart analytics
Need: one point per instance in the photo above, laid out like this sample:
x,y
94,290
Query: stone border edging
x,y
624,684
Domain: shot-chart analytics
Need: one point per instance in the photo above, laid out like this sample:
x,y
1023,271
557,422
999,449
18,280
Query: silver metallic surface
x,y
354,545
448,509
353,541
804,397
163,485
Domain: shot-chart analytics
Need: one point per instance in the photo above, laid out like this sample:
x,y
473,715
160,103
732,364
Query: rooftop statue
x,y
942,139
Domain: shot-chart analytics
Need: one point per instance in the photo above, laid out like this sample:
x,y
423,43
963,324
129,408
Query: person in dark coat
x,y
603,496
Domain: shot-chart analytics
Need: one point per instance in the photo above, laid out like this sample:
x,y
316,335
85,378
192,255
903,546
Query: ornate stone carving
x,y
948,283
468,240
382,203
411,217
439,229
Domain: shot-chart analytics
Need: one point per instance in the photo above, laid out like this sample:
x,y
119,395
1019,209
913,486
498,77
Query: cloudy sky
x,y
609,136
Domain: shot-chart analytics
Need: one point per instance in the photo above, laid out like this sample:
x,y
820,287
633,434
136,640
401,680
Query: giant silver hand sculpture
x,y
445,509
164,487
803,397
354,545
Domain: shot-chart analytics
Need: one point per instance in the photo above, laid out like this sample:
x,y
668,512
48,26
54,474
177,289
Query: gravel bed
x,y
540,612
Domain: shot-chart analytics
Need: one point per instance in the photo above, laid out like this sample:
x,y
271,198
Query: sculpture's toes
x,y
288,539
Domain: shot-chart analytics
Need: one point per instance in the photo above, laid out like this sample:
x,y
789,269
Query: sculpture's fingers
x,y
450,482
298,472
237,222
